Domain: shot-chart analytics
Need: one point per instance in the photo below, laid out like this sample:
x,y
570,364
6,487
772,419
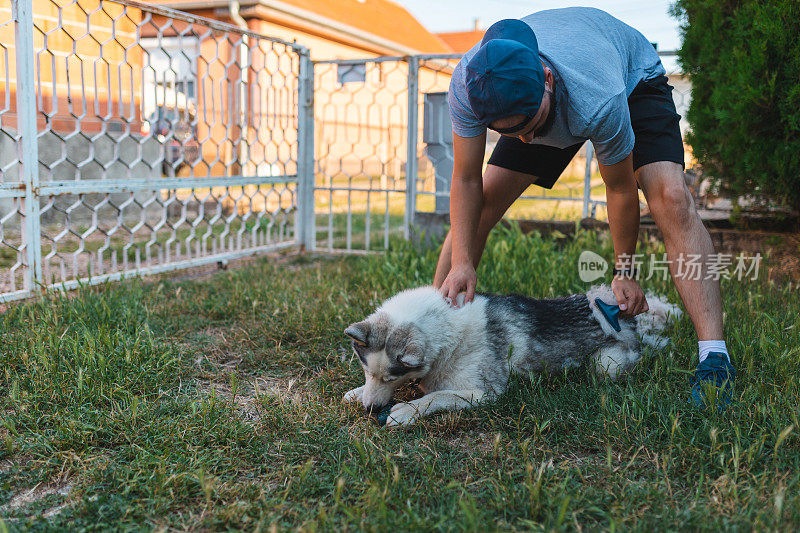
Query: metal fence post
x,y
305,155
411,144
28,148
587,179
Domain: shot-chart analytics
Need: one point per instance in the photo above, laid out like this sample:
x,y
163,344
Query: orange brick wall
x,y
83,78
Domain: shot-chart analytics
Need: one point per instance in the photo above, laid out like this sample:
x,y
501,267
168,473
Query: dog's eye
x,y
388,379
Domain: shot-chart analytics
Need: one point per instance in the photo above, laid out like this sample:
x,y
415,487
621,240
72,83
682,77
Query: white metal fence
x,y
370,136
137,139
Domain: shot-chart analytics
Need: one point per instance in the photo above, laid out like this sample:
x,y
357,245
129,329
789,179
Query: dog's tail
x,y
649,325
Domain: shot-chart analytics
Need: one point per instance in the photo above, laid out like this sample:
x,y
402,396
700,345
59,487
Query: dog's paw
x,y
353,395
403,414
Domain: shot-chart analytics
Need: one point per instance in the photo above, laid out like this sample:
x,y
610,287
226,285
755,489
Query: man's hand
x,y
630,296
461,278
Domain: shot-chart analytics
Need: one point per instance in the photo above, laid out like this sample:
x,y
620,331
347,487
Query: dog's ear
x,y
404,344
412,355
358,332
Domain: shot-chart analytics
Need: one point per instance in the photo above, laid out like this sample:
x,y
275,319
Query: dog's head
x,y
391,354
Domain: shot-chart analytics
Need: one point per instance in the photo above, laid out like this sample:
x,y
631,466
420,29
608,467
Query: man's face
x,y
540,124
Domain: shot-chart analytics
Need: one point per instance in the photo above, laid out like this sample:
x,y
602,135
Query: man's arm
x,y
622,200
466,202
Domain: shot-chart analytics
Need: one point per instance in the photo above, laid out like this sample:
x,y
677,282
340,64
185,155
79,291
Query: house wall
x,y
85,79
682,94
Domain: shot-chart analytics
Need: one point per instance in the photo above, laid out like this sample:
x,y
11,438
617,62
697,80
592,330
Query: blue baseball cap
x,y
505,76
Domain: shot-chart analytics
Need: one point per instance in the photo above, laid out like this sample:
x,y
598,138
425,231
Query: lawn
x,y
215,404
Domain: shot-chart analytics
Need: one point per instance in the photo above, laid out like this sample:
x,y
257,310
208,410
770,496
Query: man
x,y
547,83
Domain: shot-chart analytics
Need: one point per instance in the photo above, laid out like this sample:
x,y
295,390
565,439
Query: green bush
x,y
744,61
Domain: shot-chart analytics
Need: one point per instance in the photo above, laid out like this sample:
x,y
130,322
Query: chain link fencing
x,y
136,139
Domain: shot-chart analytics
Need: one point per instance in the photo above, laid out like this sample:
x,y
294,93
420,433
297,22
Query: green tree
x,y
743,57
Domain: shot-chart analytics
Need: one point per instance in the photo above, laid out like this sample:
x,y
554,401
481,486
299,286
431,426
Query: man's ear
x,y
359,332
548,76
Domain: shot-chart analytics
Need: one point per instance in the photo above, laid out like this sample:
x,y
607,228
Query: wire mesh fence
x,y
13,249
137,139
361,111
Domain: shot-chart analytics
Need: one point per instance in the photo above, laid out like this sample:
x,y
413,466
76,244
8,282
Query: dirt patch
x,y
31,496
779,251
6,466
216,350
478,443
785,262
246,398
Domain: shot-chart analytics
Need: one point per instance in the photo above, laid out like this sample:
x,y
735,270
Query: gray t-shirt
x,y
597,61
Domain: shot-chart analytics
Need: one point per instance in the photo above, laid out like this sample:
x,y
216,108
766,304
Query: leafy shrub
x,y
743,57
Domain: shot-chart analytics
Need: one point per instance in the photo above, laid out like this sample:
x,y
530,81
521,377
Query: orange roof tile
x,y
461,41
379,17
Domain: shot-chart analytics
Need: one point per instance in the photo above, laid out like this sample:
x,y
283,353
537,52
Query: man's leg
x,y
500,188
675,215
673,210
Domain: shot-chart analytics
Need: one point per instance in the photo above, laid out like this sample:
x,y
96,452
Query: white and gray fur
x,y
463,355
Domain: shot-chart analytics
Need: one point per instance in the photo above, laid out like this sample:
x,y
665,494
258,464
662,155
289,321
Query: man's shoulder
x,y
568,14
464,122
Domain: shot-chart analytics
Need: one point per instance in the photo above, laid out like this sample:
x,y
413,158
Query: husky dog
x,y
464,355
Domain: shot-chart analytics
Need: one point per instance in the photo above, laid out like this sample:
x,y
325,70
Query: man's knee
x,y
672,199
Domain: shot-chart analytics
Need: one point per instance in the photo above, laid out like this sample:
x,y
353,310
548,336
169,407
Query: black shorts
x,y
656,126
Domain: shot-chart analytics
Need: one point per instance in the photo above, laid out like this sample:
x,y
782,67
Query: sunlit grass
x,y
215,404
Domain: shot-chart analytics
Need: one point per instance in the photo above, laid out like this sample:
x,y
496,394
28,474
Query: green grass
x,y
332,229
215,404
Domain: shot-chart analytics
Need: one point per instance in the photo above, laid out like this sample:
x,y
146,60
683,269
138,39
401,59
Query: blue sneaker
x,y
715,375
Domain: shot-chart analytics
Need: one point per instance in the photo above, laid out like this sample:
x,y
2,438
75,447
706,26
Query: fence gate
x,y
136,139
370,139
361,120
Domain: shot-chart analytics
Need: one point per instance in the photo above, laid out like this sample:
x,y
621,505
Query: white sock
x,y
707,347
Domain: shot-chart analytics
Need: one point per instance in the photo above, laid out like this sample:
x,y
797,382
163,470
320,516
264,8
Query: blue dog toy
x,y
609,312
381,416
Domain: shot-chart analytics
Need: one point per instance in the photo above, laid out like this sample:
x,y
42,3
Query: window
x,y
351,73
